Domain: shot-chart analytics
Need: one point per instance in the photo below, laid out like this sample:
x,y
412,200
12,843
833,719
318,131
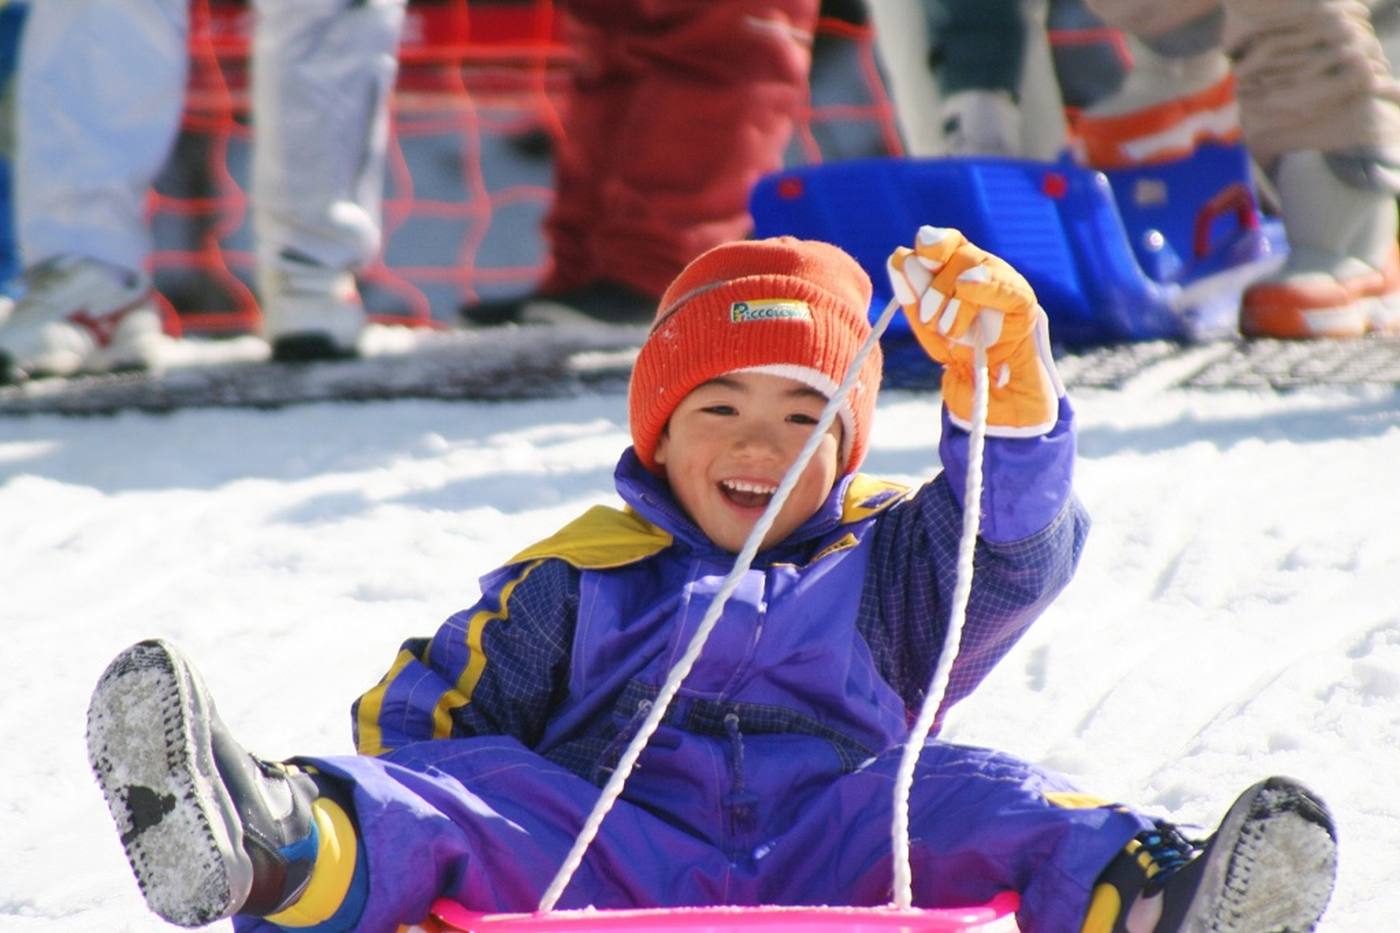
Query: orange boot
x,y
1342,277
1166,107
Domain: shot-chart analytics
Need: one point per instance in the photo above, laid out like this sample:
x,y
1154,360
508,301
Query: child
x,y
769,780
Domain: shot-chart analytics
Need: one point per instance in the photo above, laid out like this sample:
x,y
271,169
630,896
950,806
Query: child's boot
x,y
209,830
1269,868
1342,276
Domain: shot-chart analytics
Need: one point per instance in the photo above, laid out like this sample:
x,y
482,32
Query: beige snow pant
x,y
1311,73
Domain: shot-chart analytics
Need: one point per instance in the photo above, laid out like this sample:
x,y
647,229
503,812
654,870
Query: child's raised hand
x,y
955,294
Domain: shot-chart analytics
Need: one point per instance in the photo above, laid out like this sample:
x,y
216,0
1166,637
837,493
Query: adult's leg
x,y
323,73
601,87
693,100
1321,113
1312,75
976,52
101,85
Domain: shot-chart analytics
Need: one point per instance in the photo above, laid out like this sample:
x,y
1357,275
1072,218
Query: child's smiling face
x,y
730,442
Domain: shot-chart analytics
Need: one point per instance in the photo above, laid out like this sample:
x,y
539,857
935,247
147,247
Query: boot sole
x,y
1342,322
1280,869
148,737
309,348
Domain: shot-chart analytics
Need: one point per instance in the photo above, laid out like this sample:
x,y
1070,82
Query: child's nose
x,y
758,440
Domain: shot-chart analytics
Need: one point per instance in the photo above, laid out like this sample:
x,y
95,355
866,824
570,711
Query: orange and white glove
x,y
955,294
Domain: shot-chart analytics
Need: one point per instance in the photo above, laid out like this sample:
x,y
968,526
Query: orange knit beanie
x,y
794,308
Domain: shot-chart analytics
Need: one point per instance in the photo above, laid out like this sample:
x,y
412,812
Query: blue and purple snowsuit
x,y
770,779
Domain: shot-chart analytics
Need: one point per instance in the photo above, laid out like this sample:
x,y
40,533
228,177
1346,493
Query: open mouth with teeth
x,y
747,494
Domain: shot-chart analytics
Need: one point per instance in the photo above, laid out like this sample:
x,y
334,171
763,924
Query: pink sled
x,y
451,917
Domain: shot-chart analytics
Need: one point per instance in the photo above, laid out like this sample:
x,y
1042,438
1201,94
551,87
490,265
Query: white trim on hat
x,y
822,383
695,292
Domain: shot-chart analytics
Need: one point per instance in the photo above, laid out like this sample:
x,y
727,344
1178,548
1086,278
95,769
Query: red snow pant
x,y
676,108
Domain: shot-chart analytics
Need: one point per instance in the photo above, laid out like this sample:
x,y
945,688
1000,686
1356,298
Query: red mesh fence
x,y
474,116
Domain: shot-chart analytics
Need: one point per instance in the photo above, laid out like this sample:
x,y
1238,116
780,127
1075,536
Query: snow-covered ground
x,y
1237,612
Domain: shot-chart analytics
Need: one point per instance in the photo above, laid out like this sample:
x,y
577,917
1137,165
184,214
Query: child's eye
x,y
803,419
720,410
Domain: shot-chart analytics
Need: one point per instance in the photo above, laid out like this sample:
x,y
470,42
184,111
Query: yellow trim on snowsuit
x,y
867,495
371,706
600,538
476,662
1074,800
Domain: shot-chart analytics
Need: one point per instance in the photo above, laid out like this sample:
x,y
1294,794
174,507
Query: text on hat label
x,y
769,309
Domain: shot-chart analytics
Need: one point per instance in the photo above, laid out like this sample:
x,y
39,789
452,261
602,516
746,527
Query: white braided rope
x,y
613,788
952,639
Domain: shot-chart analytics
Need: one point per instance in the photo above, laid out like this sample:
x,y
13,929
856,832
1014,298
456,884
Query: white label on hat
x,y
769,309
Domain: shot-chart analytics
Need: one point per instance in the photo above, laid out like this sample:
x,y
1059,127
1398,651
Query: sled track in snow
x,y
1249,364
535,365
509,364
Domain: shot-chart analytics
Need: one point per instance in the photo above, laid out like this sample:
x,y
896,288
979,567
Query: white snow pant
x,y
1311,73
100,93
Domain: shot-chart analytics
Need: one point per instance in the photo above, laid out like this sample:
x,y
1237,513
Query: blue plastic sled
x,y
1158,252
